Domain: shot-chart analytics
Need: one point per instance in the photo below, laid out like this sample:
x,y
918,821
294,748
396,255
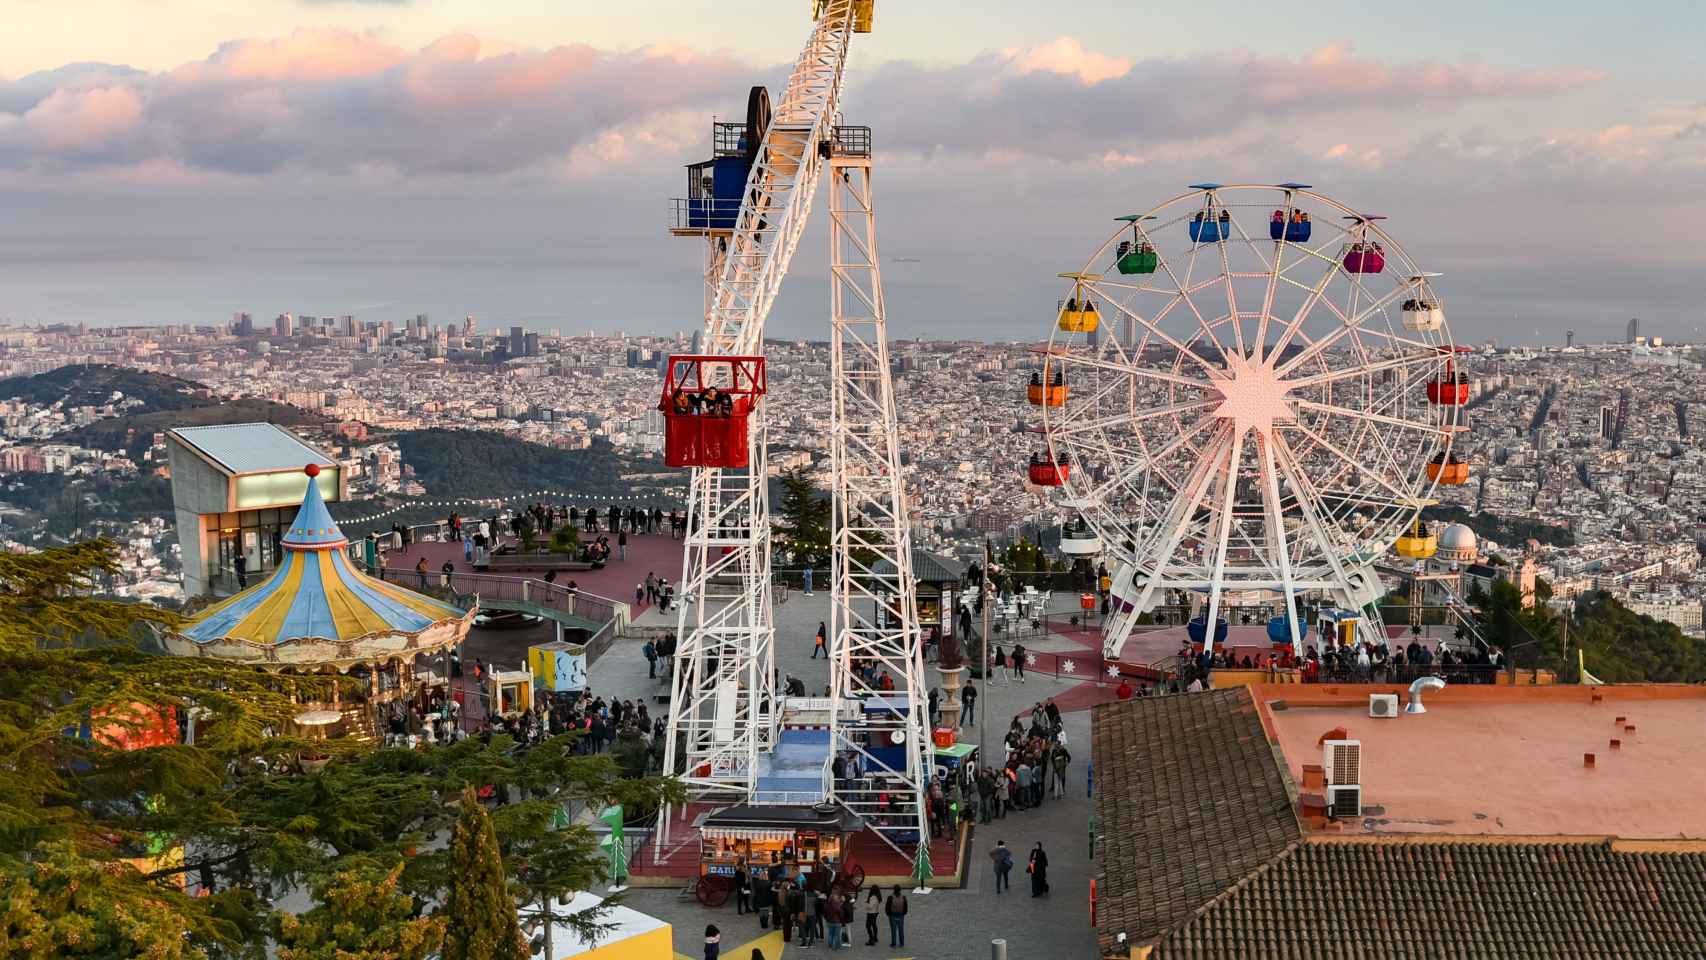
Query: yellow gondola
x,y
1419,544
1078,313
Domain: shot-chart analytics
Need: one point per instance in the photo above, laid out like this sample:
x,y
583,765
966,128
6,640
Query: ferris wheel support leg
x,y
1190,493
1282,549
1229,491
873,608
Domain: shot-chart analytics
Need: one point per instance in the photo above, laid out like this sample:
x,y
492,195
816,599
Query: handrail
x,y
578,603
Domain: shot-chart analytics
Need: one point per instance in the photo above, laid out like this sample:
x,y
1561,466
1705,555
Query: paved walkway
x,y
945,924
652,553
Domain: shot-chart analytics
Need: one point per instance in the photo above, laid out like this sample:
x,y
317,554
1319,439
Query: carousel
x,y
318,613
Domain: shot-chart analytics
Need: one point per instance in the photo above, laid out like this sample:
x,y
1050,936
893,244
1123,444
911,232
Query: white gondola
x,y
1080,541
1423,315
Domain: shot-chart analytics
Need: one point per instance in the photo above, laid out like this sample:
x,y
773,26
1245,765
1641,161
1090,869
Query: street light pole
x,y
982,702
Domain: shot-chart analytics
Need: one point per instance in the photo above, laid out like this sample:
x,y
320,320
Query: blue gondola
x,y
1196,629
1297,230
1278,632
1209,230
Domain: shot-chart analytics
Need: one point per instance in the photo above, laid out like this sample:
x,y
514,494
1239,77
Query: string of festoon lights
x,y
660,497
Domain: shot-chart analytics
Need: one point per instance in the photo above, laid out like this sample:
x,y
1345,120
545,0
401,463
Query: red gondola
x,y
1449,389
706,403
1046,474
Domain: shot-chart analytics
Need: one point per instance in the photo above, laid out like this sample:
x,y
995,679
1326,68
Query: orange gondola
x,y
1447,469
1047,395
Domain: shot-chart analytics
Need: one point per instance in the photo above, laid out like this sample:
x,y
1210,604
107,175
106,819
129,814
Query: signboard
x,y
558,667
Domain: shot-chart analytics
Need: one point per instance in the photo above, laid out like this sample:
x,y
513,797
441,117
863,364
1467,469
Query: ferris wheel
x,y
1249,390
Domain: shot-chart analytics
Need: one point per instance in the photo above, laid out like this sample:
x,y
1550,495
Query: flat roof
x,y
240,448
1500,760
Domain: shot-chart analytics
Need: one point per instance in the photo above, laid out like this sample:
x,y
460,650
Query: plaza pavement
x,y
945,924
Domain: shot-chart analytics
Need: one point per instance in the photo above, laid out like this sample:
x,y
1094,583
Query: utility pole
x,y
982,702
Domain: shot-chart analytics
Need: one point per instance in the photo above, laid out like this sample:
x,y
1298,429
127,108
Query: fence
x,y
578,603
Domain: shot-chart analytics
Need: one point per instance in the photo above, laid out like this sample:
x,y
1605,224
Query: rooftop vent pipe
x,y
1422,683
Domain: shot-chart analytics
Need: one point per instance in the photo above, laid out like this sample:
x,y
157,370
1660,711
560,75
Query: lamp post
x,y
982,705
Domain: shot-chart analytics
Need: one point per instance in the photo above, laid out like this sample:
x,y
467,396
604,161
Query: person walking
x,y
896,907
651,586
968,702
1038,869
713,942
1019,661
743,890
1000,662
1061,760
819,645
873,903
1003,860
650,652
240,563
622,545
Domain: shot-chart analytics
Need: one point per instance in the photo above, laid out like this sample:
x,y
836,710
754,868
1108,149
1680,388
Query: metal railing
x,y
551,596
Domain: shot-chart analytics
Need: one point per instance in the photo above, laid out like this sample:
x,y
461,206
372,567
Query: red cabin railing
x,y
706,403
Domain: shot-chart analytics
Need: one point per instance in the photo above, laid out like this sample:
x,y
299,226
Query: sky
x,y
174,161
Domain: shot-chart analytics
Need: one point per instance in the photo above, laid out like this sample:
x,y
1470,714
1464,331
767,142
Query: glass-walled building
x,y
235,489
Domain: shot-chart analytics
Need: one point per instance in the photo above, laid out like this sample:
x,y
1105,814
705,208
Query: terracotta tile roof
x,y
1451,899
1190,799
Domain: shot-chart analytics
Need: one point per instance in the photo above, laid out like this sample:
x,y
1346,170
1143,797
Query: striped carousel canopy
x,y
317,594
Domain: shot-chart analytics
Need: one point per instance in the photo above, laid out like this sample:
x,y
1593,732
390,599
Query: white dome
x,y
1458,542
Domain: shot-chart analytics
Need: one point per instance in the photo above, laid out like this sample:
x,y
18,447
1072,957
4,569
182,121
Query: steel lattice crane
x,y
750,204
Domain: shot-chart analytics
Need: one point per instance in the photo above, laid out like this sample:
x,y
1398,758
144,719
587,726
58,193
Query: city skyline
x,y
360,156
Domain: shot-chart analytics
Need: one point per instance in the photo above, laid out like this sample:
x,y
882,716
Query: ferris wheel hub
x,y
1254,397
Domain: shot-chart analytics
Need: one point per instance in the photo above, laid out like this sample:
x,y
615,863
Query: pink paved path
x,y
649,553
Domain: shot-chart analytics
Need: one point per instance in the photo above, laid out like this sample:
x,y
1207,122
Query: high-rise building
x,y
633,357
697,334
530,345
468,325
419,330
1569,339
1607,421
242,324
348,323
517,342
1634,329
281,324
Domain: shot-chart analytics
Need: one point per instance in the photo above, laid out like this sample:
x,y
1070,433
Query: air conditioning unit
x,y
1383,705
1342,761
1344,802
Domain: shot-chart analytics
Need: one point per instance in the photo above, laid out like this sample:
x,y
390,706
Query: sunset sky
x,y
177,160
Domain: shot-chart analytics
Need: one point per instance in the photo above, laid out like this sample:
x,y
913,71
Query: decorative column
x,y
950,665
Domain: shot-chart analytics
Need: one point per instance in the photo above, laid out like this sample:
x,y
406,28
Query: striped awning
x,y
747,833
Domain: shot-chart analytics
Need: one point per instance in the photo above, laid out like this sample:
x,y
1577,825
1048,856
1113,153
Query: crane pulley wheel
x,y
757,121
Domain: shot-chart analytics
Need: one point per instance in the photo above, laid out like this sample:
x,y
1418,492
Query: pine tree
x,y
803,528
921,871
480,912
359,915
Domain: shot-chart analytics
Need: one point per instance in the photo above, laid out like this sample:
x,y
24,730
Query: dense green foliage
x,y
92,385
65,508
359,914
1505,530
804,515
133,434
1618,645
480,913
479,463
80,817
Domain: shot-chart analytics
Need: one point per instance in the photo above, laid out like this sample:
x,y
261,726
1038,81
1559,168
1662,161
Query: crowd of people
x,y
1367,661
815,907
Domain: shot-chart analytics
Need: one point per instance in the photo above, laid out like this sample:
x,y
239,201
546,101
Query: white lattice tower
x,y
724,682
873,615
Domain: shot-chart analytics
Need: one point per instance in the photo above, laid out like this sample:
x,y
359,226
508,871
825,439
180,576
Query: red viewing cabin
x,y
706,403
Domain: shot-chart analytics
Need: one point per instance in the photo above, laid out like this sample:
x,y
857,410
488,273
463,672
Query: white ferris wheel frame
x,y
1330,441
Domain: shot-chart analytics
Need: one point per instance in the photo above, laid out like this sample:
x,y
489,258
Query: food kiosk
x,y
786,841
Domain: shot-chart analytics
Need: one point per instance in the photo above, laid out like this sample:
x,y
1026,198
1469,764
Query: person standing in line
x,y
873,903
1019,661
743,889
1061,760
832,916
895,907
796,908
1038,869
819,644
1003,860
1022,777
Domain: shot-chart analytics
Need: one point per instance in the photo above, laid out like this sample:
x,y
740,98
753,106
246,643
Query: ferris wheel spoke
x,y
1150,373
1377,366
1229,493
1330,447
1294,474
1153,326
1140,416
1185,291
1279,549
1152,461
1179,510
1425,428
1351,322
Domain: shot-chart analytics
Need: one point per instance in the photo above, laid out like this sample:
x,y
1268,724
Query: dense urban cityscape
x,y
1587,460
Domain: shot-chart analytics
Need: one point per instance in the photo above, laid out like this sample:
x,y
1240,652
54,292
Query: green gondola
x,y
1139,261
